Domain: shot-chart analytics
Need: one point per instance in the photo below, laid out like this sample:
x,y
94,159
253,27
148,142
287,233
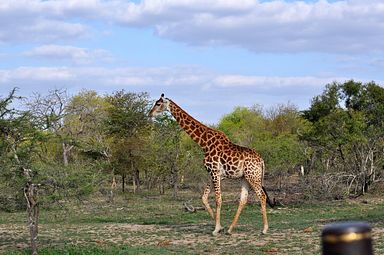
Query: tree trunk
x,y
175,181
114,184
310,163
161,187
301,171
135,178
366,184
134,185
31,197
175,173
112,191
66,150
123,182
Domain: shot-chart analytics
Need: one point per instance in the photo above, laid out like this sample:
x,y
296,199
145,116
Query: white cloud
x,y
96,76
347,26
147,78
40,21
66,52
268,82
273,26
41,30
205,94
27,75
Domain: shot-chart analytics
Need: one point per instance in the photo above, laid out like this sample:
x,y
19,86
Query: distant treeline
x,y
74,146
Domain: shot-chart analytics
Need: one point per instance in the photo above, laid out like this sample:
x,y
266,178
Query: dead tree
x,y
31,196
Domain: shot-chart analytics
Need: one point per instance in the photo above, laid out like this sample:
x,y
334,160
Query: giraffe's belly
x,y
232,171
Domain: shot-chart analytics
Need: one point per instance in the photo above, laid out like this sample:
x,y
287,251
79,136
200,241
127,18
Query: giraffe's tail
x,y
270,203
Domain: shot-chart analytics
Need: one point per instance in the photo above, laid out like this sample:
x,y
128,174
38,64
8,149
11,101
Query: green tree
x,y
244,126
273,133
128,124
347,132
84,127
18,141
170,155
28,169
85,124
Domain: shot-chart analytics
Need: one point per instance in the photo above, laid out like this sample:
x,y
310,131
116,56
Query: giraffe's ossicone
x,y
223,159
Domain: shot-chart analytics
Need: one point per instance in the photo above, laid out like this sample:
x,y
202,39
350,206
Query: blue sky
x,y
208,58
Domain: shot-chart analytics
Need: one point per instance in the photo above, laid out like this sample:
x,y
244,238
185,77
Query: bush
x,y
326,186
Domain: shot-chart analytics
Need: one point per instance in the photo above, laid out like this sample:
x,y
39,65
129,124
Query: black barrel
x,y
347,238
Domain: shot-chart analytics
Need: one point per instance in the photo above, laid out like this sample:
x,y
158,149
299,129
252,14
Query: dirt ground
x,y
294,230
195,238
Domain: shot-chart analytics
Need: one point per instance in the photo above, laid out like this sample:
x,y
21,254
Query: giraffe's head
x,y
160,106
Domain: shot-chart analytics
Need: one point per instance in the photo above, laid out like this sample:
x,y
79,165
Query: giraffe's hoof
x,y
217,231
230,230
264,232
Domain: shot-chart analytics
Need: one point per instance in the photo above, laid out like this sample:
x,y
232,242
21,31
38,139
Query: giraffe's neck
x,y
196,130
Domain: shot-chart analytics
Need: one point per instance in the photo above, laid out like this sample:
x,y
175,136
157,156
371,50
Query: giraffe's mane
x,y
199,122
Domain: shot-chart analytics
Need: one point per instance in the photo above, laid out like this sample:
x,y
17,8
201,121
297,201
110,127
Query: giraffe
x,y
223,159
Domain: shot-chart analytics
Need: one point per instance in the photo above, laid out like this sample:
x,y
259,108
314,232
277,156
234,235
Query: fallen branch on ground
x,y
191,208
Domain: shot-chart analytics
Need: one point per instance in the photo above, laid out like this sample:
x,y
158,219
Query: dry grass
x,y
158,225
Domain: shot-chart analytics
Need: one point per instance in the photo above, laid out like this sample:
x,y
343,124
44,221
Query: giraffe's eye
x,y
157,104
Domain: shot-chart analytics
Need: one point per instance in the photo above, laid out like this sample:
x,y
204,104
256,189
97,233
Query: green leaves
x,y
346,113
323,104
273,133
244,125
127,114
347,130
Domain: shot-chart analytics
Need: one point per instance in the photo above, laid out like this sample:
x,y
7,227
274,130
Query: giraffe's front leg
x,y
217,187
205,196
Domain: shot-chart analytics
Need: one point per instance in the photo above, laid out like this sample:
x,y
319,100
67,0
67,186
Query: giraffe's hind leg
x,y
242,203
255,181
216,185
205,196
